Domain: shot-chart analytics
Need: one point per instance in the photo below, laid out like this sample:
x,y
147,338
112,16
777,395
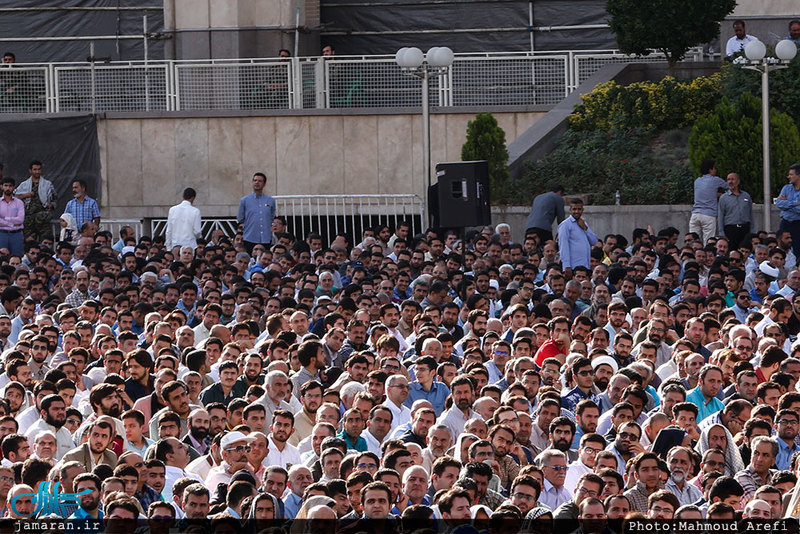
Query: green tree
x,y
487,140
731,136
784,91
668,26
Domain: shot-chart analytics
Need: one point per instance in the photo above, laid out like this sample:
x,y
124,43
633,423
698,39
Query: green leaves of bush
x,y
600,163
732,137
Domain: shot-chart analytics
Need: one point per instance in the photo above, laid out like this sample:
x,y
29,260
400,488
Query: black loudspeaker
x,y
463,195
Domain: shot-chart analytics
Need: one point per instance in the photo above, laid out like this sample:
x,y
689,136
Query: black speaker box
x,y
463,195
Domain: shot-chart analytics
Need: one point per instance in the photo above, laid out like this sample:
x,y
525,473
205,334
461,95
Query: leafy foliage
x,y
784,91
600,163
664,105
732,137
665,25
487,140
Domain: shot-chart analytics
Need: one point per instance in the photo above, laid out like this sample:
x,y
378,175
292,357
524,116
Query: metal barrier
x,y
99,88
524,78
111,225
327,215
24,89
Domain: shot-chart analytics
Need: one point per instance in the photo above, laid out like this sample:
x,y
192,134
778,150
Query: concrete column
x,y
239,28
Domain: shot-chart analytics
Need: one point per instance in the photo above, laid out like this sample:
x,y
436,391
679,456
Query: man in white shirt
x,y
396,394
739,40
280,451
183,223
234,446
53,413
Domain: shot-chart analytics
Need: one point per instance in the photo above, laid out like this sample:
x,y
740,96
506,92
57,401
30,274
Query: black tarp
x,y
67,147
437,19
74,22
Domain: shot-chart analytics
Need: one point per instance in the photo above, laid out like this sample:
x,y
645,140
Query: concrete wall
x,y
621,219
147,162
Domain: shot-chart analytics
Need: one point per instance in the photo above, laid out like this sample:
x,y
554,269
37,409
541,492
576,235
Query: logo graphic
x,y
49,500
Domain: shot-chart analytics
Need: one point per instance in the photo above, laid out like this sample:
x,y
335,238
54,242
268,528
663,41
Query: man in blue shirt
x,y
426,387
82,207
789,204
575,239
704,396
706,196
786,426
583,375
256,212
89,511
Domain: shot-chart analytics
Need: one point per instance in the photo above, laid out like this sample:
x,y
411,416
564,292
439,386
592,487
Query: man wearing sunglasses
x,y
583,374
234,447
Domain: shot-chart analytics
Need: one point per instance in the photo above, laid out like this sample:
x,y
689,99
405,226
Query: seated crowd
x,y
406,378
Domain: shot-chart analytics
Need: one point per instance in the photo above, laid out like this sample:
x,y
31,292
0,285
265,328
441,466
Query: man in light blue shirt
x,y
256,212
704,396
425,386
575,239
786,426
706,196
789,204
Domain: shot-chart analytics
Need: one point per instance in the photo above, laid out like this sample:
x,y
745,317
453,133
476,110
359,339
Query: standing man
x,y
789,204
546,208
183,223
12,216
735,213
82,207
256,212
575,239
39,196
739,40
706,192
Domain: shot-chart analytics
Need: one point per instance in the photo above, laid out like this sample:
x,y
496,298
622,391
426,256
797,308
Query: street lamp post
x,y
757,59
436,62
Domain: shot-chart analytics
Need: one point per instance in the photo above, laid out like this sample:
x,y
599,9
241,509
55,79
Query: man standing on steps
x,y
183,223
789,204
256,212
575,239
39,196
706,192
735,213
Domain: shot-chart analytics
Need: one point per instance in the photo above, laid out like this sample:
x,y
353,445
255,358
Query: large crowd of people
x,y
271,377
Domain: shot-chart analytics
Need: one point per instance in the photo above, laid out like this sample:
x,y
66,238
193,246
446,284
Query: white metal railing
x,y
111,225
327,215
513,78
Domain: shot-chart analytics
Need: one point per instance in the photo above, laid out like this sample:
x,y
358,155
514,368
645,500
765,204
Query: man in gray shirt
x,y
706,192
546,207
735,213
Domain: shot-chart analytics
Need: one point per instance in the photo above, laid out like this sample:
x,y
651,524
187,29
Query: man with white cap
x,y
234,448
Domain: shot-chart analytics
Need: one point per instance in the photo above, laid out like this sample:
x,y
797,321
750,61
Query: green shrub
x,y
600,163
732,137
487,140
666,104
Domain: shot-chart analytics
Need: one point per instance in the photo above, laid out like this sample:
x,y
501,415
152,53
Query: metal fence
x,y
327,215
496,79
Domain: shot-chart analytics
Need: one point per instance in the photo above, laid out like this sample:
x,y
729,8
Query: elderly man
x,y
299,479
439,440
396,394
554,467
277,388
234,448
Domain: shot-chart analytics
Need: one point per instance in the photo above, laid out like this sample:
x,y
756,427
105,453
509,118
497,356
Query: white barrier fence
x,y
327,215
496,79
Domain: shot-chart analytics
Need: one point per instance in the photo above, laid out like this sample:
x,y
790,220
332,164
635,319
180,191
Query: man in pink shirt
x,y
12,214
